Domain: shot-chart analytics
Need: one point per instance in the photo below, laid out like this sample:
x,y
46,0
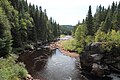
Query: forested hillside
x,y
103,26
66,29
23,24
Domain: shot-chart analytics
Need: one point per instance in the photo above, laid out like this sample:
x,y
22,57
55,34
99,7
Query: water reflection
x,y
53,65
35,61
60,67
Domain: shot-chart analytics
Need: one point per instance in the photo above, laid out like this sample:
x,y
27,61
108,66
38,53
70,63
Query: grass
x,y
69,45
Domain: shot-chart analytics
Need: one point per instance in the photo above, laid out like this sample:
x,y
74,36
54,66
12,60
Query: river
x,y
53,65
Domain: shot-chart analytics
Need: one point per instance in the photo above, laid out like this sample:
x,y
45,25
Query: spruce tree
x,y
89,22
5,34
106,26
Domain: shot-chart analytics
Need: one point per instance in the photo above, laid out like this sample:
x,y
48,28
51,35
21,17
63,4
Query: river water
x,y
60,67
53,65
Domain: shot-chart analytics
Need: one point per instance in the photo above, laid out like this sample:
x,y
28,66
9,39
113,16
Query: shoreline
x,y
52,46
57,45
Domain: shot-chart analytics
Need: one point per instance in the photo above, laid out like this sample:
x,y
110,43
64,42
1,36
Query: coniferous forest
x,y
23,24
26,26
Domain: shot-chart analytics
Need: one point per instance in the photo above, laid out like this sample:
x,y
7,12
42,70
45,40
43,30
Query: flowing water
x,y
53,65
60,67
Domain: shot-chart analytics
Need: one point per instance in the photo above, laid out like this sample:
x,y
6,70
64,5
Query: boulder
x,y
115,67
86,61
99,69
99,62
96,57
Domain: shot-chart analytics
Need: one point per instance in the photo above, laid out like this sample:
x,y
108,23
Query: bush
x,y
111,39
62,36
79,50
100,36
89,39
69,45
10,70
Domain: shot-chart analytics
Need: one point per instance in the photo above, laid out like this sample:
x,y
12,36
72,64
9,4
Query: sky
x,y
69,12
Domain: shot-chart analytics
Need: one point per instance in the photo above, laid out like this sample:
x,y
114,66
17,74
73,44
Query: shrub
x,y
10,70
69,45
111,39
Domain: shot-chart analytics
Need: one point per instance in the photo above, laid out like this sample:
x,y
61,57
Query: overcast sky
x,y
69,12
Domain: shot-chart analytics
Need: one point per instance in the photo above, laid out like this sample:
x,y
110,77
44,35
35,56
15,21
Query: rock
x,y
99,70
29,77
97,57
96,47
86,61
108,61
117,58
29,47
99,62
114,69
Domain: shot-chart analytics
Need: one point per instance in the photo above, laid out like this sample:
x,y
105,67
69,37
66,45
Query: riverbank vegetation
x,y
22,26
104,27
68,45
9,70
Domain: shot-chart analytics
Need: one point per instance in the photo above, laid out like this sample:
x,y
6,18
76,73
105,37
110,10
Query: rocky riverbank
x,y
97,62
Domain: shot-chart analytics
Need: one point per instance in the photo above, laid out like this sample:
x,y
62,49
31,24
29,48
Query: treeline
x,y
23,24
66,29
104,26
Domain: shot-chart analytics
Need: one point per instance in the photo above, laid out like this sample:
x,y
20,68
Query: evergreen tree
x,y
116,19
28,23
106,26
5,34
89,22
99,17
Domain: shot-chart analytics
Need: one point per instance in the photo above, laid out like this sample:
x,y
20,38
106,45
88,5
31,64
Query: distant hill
x,y
66,29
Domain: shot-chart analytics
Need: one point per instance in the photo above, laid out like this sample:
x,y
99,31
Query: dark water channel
x,y
52,65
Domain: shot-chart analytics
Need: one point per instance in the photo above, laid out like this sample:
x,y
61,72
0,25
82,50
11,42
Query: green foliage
x,y
102,28
114,36
28,23
100,36
109,40
89,39
80,36
62,36
9,70
89,23
69,45
5,34
66,29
